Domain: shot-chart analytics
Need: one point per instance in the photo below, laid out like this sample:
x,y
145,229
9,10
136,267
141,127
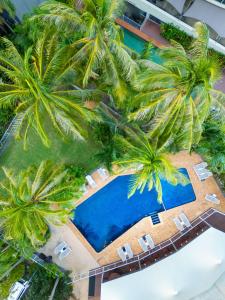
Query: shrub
x,y
212,148
171,32
43,281
6,284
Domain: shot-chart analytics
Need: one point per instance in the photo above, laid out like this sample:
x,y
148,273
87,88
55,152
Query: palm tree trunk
x,y
54,289
13,267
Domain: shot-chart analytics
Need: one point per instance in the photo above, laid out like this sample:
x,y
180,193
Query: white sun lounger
x,y
212,198
60,247
184,219
84,189
205,175
150,241
201,165
129,251
121,254
65,252
103,173
142,244
200,172
91,181
178,224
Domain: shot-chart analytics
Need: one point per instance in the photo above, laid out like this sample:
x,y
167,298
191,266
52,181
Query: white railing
x,y
141,256
15,123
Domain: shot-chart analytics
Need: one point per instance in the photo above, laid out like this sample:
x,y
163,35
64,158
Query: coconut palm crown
x,y
39,85
33,199
98,41
150,164
175,98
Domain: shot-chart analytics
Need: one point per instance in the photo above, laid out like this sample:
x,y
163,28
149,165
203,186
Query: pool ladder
x,y
155,218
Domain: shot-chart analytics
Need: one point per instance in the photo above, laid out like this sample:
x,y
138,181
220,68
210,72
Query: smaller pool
x,y
137,44
108,213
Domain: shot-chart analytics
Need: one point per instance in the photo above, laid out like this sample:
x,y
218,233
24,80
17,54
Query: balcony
x,y
185,14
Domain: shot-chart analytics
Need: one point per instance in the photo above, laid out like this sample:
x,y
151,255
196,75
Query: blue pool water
x,y
137,44
109,213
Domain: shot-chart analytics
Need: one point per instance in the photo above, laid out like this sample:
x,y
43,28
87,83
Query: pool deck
x,y
166,228
145,35
84,257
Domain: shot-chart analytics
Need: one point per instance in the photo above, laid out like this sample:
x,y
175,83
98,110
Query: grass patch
x,y
68,151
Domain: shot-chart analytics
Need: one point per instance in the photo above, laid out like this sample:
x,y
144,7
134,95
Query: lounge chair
x,y
60,247
200,172
143,245
178,224
122,254
91,181
84,189
65,252
184,219
204,176
150,241
103,173
212,198
201,165
128,250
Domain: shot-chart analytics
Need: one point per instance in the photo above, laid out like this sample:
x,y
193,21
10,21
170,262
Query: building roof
x,y
211,14
183,275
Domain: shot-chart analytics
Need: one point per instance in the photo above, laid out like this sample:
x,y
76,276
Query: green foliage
x,y
31,200
76,175
171,32
104,134
148,46
99,51
6,284
175,98
43,282
8,257
41,82
212,147
150,164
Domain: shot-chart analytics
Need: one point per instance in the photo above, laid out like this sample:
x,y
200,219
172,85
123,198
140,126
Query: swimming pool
x,y
108,213
137,44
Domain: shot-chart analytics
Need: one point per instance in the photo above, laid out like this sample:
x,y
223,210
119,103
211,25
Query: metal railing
x,y
141,256
131,22
15,123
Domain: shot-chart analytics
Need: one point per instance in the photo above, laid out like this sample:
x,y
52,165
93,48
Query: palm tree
x,y
175,98
40,85
98,44
151,164
33,199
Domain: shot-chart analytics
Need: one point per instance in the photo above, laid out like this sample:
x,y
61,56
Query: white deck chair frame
x,y
184,219
129,251
91,181
142,244
59,247
178,224
121,254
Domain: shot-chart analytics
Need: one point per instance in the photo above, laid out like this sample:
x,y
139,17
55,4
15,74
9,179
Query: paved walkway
x,y
153,30
79,260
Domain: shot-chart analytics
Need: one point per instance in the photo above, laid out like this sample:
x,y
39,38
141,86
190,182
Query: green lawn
x,y
70,151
